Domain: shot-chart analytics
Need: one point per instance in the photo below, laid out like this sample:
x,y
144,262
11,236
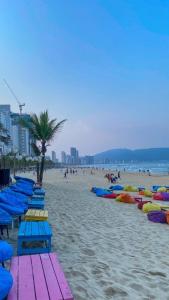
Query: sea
x,y
158,168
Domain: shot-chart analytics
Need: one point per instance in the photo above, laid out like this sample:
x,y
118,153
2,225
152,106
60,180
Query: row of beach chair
x,y
35,274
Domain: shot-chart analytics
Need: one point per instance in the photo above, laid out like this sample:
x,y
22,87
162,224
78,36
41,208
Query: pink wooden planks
x,y
66,292
14,271
38,277
39,280
51,280
25,284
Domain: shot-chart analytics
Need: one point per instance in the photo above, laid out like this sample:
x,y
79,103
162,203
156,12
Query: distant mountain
x,y
126,155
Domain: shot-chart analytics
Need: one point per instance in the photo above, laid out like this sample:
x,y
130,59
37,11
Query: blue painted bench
x,y
40,192
37,204
38,277
33,232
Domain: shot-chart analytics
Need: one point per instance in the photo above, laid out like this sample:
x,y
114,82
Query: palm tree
x,y
37,153
43,131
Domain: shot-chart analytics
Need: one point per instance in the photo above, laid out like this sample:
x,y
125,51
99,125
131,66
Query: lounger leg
x,y
7,231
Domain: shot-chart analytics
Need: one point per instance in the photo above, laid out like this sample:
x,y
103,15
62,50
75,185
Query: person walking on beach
x,y
118,175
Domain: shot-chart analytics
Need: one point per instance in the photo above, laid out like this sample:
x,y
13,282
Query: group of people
x,y
111,177
71,171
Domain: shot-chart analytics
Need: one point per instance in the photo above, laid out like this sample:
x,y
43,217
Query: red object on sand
x,y
111,196
141,203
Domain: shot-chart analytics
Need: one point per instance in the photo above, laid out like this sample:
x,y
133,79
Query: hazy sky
x,y
102,64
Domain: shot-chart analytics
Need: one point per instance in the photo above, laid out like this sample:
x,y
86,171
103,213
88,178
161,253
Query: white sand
x,y
108,250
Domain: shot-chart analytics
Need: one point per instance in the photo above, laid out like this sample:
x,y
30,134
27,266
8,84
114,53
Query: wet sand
x,y
108,250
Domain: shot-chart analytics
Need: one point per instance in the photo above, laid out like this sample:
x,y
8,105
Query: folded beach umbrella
x,y
5,217
6,251
6,282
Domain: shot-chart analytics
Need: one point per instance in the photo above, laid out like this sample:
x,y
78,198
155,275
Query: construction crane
x,y
13,94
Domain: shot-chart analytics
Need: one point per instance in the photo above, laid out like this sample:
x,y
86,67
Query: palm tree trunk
x,y
37,172
42,168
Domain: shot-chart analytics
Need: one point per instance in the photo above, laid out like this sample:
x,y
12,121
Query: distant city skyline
x,y
108,76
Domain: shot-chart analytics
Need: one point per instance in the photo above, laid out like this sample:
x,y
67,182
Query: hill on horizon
x,y
126,155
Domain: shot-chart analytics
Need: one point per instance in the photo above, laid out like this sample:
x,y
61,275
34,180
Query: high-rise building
x,y
21,136
5,119
74,155
87,160
63,157
54,156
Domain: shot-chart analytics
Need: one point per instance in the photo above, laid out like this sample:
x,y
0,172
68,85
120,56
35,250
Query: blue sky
x,y
102,64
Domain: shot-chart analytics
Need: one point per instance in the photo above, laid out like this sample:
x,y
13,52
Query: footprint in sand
x,y
88,252
154,273
110,291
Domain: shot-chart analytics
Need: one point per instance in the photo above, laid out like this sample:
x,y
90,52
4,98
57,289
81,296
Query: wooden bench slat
x,y
14,271
25,285
39,279
51,280
47,228
35,228
28,227
21,229
66,292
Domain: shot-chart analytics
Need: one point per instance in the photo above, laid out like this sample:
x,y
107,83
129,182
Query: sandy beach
x,y
108,250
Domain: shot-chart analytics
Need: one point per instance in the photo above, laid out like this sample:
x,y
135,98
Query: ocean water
x,y
161,168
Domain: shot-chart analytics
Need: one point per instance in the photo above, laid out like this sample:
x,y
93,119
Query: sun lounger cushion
x,y
151,207
165,196
129,188
148,193
25,179
12,210
6,251
157,217
126,198
162,189
19,196
6,282
111,196
12,200
116,187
